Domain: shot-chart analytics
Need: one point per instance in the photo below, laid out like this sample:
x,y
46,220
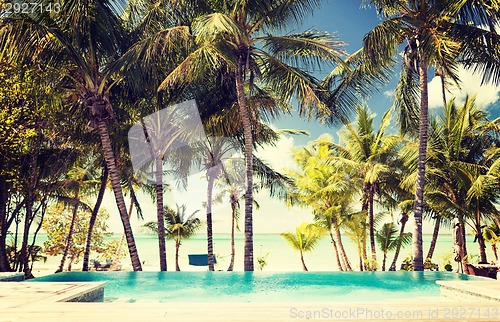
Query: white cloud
x,y
278,156
486,94
389,94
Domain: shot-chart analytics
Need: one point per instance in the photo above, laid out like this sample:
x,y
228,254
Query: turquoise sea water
x,y
261,286
281,257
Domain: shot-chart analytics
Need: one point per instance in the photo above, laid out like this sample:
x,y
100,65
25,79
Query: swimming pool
x,y
261,286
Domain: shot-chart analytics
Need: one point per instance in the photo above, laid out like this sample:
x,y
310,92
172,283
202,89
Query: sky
x,y
350,24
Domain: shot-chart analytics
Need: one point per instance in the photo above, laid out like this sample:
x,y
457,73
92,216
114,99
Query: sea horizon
x,y
280,256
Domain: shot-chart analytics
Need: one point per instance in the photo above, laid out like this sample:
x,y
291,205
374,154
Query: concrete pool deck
x,y
46,301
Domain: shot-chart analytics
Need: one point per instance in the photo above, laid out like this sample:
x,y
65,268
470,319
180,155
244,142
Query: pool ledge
x,y
22,294
476,291
11,277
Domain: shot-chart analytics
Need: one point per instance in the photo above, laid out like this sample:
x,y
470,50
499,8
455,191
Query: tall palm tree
x,y
304,239
238,38
82,39
178,225
437,34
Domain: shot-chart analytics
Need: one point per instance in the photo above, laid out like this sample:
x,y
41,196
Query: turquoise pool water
x,y
261,286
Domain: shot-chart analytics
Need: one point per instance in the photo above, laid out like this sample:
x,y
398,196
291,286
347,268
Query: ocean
x,y
280,256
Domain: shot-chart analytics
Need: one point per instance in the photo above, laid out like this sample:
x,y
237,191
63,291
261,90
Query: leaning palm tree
x,y
304,239
438,34
238,37
178,225
81,39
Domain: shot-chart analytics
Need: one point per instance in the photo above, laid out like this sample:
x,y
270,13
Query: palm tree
x,y
326,189
482,196
237,37
214,151
389,240
438,34
369,154
232,184
82,43
491,234
79,181
177,226
459,141
304,239
404,219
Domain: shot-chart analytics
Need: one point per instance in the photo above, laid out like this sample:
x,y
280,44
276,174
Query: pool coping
x,y
486,289
48,301
11,277
22,294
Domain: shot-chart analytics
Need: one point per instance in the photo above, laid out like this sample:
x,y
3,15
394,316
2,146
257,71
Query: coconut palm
x,y
326,189
238,37
388,240
405,208
81,39
457,154
482,196
370,155
304,239
79,181
356,227
491,234
437,34
178,225
232,185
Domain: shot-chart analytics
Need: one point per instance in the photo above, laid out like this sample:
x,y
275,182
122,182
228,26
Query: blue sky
x,y
349,22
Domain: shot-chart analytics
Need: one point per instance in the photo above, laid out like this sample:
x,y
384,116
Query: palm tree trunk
x,y
494,249
343,255
372,228
336,252
365,253
160,214
70,262
404,219
480,238
435,235
117,190
4,262
118,253
69,239
304,267
93,217
247,131
383,261
210,245
418,261
177,246
233,218
28,218
360,255
464,259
